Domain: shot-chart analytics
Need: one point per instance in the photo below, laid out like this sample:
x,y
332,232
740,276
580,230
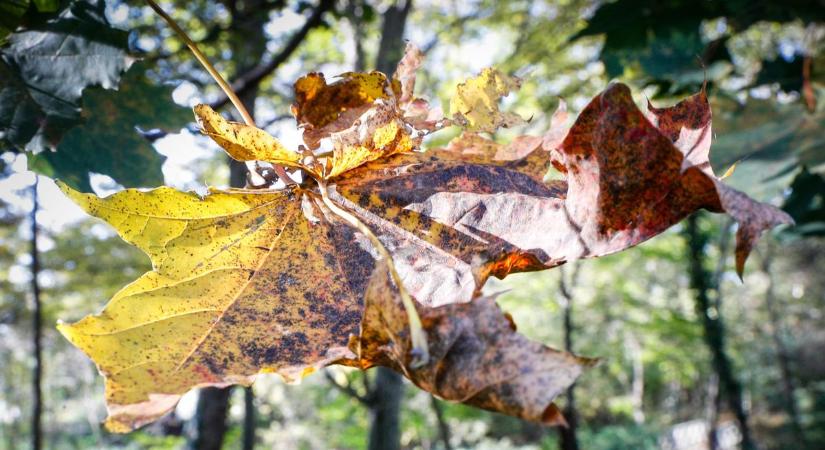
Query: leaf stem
x,y
227,89
420,351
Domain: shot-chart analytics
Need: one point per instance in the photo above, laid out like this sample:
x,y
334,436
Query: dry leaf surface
x,y
254,281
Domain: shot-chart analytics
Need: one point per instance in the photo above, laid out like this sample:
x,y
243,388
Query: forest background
x,y
692,357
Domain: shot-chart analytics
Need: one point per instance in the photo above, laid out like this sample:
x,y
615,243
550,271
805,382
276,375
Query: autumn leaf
x,y
406,71
475,104
688,126
244,142
476,355
624,184
242,282
255,281
358,117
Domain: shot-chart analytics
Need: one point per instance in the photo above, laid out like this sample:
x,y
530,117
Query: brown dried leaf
x,y
359,115
405,72
476,356
688,125
479,216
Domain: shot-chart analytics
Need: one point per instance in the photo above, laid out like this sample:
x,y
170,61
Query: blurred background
x,y
692,356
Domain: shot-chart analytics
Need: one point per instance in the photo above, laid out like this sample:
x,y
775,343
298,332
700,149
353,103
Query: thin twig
x,y
420,351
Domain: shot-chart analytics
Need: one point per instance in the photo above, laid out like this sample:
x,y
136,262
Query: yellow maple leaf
x,y
230,257
475,103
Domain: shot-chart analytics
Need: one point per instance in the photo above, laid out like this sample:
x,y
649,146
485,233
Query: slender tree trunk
x,y
714,404
37,392
443,427
249,419
638,383
391,48
210,417
385,430
701,281
567,435
782,354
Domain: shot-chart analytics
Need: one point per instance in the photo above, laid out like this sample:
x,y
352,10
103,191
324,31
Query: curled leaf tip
x,y
244,142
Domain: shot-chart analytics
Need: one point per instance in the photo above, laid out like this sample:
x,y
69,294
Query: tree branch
x,y
347,389
457,23
254,76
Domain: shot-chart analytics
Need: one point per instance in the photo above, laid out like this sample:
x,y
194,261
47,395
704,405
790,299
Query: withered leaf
x,y
244,142
242,282
688,125
476,355
251,281
475,103
624,184
358,115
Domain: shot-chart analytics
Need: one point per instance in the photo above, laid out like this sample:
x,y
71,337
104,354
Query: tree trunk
x,y
391,48
567,435
37,392
443,427
249,419
638,383
714,331
782,354
213,403
385,430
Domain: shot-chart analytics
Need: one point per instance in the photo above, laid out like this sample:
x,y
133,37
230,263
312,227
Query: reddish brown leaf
x,y
478,216
405,72
688,125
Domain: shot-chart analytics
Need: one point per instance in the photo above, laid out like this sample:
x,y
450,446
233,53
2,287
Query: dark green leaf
x,y
45,69
46,6
11,12
67,54
108,140
19,113
806,204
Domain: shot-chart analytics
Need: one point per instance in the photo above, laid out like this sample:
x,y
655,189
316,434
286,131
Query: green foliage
x,y
63,99
806,204
618,437
48,65
108,140
663,44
